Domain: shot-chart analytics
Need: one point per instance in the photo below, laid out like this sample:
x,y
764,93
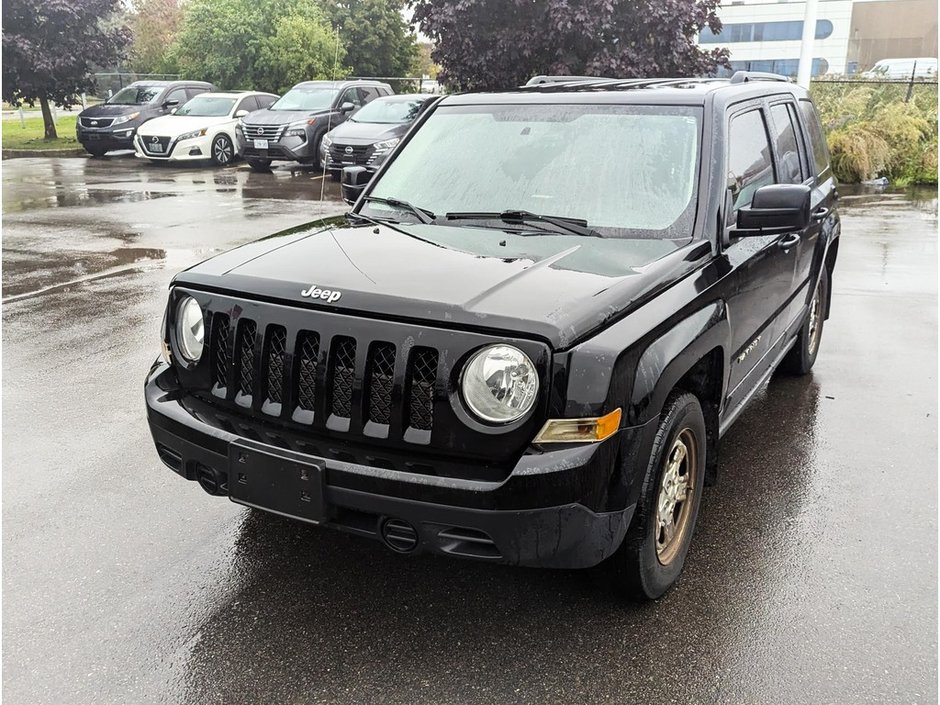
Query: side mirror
x,y
355,179
241,113
173,111
170,103
347,107
775,208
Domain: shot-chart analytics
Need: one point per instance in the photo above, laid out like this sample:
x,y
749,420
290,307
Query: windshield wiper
x,y
422,214
571,225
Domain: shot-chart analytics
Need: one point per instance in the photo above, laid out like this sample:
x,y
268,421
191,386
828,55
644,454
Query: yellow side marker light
x,y
589,430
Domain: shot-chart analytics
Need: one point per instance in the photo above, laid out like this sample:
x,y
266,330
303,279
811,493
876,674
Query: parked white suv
x,y
903,68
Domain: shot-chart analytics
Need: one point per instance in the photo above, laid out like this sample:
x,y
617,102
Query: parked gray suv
x,y
292,128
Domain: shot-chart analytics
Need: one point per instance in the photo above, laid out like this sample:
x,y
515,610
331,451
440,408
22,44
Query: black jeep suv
x,y
292,128
525,345
113,124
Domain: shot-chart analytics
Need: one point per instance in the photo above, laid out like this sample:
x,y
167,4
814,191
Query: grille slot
x,y
221,359
308,351
274,365
246,357
344,374
423,375
381,379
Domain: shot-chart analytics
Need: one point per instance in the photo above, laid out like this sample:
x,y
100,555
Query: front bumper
x,y
109,140
555,509
193,149
291,149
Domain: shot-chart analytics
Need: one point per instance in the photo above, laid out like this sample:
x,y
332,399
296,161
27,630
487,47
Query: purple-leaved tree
x,y
492,44
51,47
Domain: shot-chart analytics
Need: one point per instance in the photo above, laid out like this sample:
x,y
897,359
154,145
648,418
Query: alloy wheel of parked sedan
x,y
222,150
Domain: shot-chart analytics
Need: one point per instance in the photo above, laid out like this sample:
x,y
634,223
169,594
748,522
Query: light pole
x,y
806,48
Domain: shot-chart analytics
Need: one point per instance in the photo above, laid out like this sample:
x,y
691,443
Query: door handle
x,y
820,213
788,241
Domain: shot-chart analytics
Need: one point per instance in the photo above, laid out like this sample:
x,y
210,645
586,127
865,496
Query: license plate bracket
x,y
277,480
261,144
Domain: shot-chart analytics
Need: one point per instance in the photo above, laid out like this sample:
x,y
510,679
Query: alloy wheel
x,y
222,151
676,491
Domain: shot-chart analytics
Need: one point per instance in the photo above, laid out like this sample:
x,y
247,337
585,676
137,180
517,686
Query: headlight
x,y
500,384
386,146
298,129
191,135
326,141
121,119
190,331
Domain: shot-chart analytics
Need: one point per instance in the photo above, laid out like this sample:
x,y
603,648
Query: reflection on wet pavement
x,y
812,577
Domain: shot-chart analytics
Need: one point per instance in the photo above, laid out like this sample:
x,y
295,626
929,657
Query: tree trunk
x,y
47,119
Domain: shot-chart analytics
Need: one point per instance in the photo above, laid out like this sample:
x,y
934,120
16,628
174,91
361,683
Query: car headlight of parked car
x,y
326,142
191,135
385,147
500,384
121,119
190,329
298,129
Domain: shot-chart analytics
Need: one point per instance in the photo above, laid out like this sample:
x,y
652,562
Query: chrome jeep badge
x,y
325,294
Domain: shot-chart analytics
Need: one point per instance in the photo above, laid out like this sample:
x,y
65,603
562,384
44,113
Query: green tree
x,y
50,50
424,65
257,44
154,25
378,40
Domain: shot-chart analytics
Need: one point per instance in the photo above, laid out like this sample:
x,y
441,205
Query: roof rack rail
x,y
745,76
538,80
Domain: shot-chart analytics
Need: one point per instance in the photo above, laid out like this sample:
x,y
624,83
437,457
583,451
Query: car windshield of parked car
x,y
628,171
389,112
202,106
135,95
305,99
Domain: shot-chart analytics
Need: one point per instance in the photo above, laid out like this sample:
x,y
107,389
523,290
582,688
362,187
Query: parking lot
x,y
812,576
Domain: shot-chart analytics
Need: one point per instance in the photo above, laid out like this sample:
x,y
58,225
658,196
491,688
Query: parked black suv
x,y
544,312
292,128
113,124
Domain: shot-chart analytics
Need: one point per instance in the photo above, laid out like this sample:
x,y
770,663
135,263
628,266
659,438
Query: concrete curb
x,y
17,153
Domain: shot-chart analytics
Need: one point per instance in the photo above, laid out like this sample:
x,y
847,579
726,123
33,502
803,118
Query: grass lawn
x,y
16,136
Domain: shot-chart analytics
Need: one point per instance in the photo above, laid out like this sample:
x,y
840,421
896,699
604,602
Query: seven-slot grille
x,y
358,155
262,132
257,365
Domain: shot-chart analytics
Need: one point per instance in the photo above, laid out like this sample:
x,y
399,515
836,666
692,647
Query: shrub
x,y
873,131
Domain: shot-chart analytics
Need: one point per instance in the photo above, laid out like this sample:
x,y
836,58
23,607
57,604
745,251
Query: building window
x,y
763,32
783,67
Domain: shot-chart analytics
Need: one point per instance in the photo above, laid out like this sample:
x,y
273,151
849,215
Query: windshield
x,y
628,171
135,95
389,112
305,99
202,106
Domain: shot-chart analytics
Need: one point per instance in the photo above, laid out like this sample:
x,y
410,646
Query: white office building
x,y
765,36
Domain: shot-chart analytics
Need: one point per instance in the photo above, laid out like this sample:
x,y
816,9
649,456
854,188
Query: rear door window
x,y
750,165
265,101
817,140
352,96
789,167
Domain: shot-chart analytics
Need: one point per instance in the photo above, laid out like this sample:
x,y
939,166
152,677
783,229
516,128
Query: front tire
x,y
223,152
802,356
96,152
653,552
262,165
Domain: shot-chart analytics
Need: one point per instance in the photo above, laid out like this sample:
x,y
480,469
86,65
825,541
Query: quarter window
x,y
817,139
789,169
749,163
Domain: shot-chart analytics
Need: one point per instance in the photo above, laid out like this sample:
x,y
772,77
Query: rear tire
x,y
222,150
802,356
652,556
261,165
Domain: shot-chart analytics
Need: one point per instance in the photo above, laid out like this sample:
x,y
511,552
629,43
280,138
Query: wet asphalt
x,y
812,577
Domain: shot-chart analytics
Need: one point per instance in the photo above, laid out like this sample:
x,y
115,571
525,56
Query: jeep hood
x,y
558,288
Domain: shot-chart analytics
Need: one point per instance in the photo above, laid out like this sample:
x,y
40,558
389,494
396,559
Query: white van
x,y
903,68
